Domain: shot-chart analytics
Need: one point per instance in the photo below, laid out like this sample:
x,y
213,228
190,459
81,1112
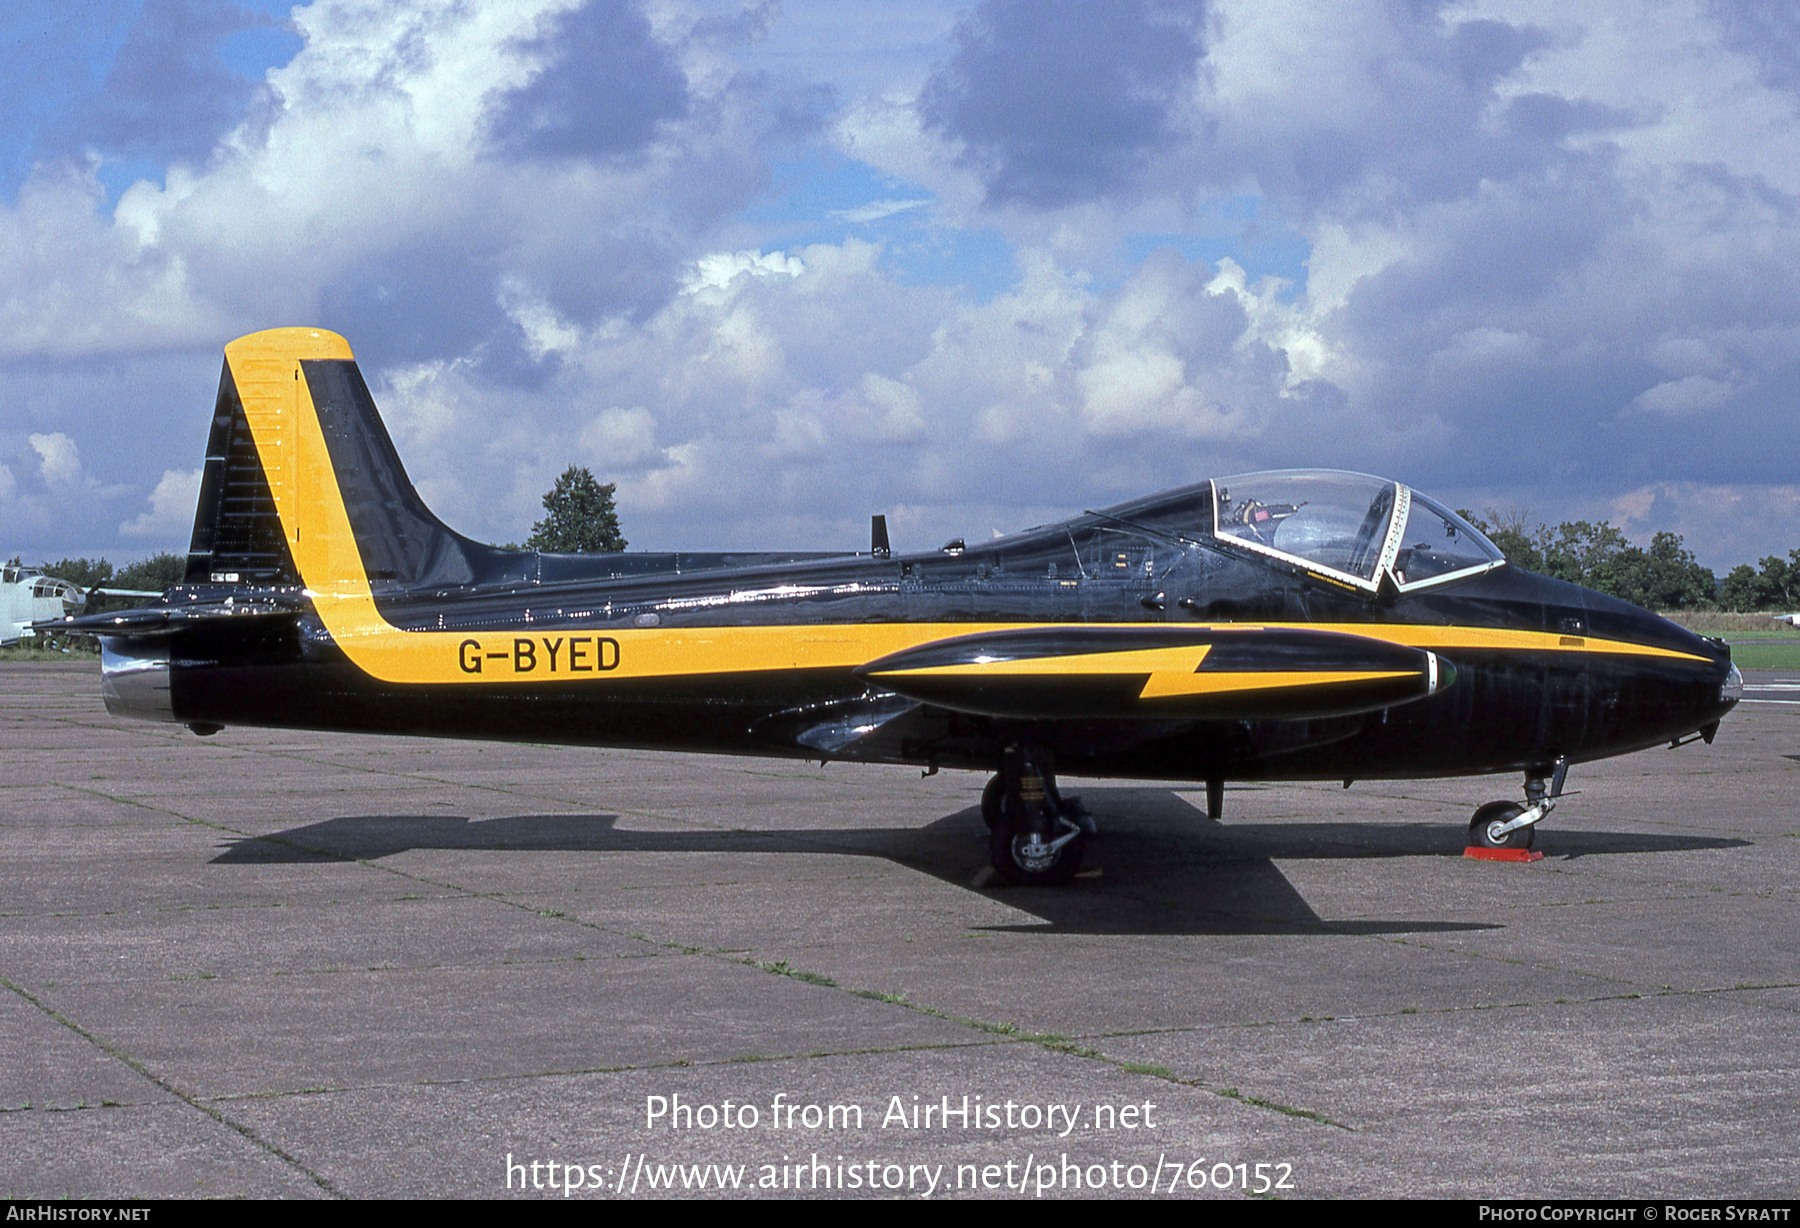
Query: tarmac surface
x,y
294,964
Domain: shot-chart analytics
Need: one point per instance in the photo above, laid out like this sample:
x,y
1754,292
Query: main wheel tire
x,y
993,800
1016,860
1495,814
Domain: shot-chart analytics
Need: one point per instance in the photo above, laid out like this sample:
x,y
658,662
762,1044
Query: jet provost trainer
x,y
1290,625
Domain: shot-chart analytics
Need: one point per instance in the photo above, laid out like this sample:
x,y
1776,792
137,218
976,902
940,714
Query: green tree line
x,y
1774,585
151,575
1660,576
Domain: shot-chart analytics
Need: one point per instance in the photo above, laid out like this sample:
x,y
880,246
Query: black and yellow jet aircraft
x,y
1294,625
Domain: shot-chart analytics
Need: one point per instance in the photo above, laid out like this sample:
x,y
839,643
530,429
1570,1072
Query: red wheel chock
x,y
1503,854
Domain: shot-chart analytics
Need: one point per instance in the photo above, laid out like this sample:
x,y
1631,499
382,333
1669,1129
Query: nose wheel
x,y
1508,826
1491,828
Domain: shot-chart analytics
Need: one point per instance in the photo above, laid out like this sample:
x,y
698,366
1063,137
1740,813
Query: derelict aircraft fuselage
x,y
1293,625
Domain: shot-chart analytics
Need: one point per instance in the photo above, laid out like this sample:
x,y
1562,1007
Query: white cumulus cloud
x,y
718,270
1680,398
171,512
620,438
59,460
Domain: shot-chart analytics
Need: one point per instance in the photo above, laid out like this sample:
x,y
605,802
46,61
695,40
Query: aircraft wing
x,y
1234,672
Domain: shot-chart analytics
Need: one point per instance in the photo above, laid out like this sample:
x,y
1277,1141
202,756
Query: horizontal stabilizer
x,y
167,620
1162,673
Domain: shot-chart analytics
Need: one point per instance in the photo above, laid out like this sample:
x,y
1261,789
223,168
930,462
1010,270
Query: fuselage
x,y
538,645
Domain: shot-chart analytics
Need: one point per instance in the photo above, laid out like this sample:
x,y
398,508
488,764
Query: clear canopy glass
x,y
1436,542
1350,524
1336,520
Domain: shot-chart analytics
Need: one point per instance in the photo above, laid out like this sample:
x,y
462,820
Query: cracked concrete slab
x,y
1615,1098
45,1065
401,928
140,1151
246,1035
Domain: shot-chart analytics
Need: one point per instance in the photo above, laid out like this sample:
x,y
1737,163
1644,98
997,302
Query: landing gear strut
x,y
1036,837
993,804
1508,825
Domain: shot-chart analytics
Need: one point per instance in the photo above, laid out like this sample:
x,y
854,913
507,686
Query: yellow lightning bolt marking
x,y
1164,684
1172,672
1182,659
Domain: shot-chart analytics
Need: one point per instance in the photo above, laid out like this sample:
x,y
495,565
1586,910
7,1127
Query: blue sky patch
x,y
829,198
54,65
252,53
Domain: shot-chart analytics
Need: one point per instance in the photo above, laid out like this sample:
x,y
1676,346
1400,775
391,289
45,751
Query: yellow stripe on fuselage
x,y
285,426
1172,672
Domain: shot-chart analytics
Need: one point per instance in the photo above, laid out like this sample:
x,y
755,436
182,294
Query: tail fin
x,y
299,465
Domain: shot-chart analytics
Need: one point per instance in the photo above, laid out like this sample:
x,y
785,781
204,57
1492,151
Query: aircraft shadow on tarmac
x,y
1164,867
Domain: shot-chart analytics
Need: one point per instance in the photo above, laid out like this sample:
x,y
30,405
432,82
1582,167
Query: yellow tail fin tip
x,y
291,343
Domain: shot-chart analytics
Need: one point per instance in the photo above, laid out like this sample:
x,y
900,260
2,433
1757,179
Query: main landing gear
x,y
1035,836
1508,825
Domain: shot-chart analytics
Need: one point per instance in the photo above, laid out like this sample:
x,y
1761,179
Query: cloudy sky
x,y
773,267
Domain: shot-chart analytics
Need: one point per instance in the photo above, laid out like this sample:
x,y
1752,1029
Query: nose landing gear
x,y
1508,826
1036,837
1496,826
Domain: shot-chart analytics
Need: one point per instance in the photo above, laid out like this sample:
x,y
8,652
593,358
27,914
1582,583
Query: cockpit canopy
x,y
1350,526
1357,530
